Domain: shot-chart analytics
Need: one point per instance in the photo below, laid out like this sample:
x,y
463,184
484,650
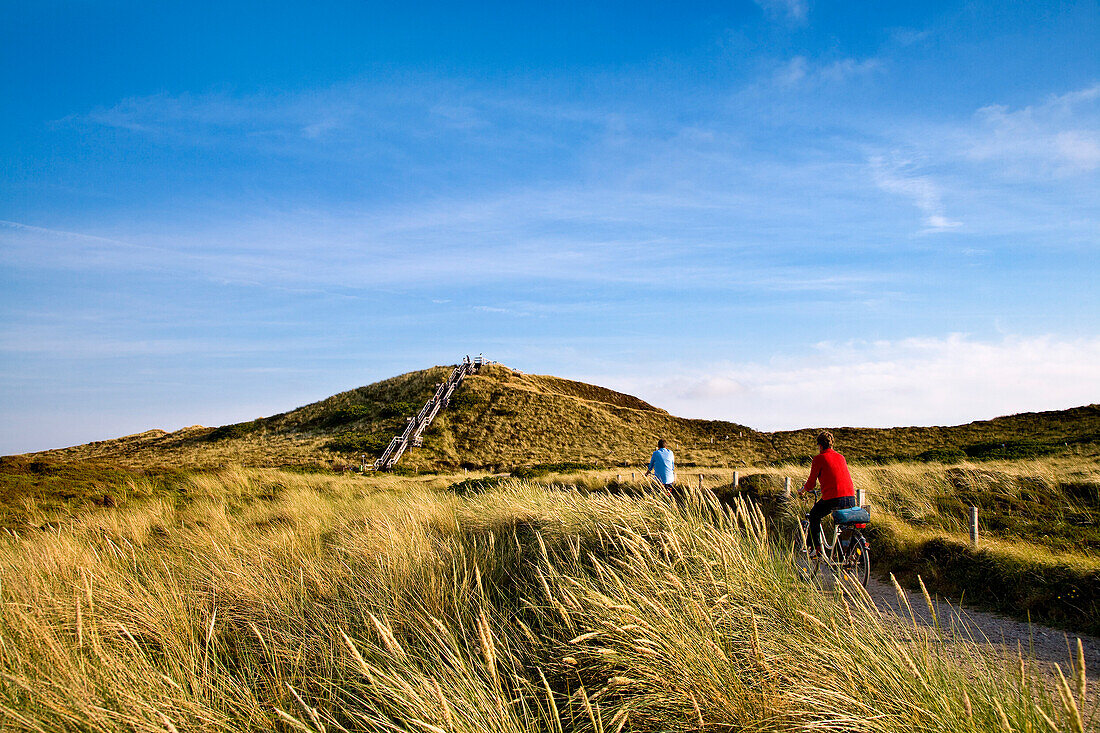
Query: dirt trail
x,y
1004,635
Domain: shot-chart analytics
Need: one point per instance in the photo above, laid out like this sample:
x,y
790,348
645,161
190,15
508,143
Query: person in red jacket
x,y
837,490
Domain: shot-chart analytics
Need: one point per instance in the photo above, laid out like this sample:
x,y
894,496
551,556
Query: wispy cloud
x,y
637,187
802,71
795,11
910,36
59,233
501,311
999,171
361,117
898,177
1059,137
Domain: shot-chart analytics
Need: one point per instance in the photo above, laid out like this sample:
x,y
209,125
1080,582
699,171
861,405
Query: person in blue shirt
x,y
662,464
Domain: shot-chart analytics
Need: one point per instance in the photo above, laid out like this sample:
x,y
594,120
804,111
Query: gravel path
x,y
1004,635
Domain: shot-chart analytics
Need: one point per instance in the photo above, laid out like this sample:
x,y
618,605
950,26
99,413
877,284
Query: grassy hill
x,y
1039,518
501,418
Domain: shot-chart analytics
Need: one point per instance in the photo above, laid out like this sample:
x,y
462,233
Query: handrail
x,y
417,424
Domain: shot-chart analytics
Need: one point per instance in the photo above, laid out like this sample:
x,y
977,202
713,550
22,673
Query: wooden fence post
x,y
618,478
736,477
859,497
974,526
631,475
787,485
700,482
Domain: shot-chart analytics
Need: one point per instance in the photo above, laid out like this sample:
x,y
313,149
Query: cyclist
x,y
837,489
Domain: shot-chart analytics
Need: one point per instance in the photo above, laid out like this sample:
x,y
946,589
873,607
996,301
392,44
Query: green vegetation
x,y
942,455
1039,557
1033,476
1027,435
543,469
236,430
340,416
1021,581
1040,523
1011,449
275,601
371,444
36,493
478,485
501,419
1049,504
995,451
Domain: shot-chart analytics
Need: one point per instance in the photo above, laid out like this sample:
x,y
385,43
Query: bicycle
x,y
849,552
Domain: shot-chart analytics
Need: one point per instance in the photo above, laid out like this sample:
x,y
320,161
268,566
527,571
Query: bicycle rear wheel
x,y
857,560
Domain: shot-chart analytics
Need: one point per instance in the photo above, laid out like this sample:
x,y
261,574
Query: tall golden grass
x,y
267,600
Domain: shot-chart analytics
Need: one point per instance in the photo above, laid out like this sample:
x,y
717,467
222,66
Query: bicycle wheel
x,y
800,555
857,560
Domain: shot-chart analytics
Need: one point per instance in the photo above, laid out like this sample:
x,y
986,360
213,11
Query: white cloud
x,y
846,68
919,381
617,232
1009,172
791,10
900,178
501,311
58,233
909,36
1059,137
793,71
802,71
1080,149
359,118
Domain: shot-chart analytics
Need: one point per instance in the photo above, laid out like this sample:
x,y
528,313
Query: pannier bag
x,y
855,515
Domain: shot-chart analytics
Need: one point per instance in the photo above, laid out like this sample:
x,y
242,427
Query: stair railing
x,y
416,425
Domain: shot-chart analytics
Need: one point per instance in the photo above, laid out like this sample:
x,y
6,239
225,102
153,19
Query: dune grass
x,y
261,600
1039,555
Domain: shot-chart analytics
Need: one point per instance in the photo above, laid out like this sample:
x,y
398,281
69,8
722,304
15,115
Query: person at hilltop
x,y
662,464
837,490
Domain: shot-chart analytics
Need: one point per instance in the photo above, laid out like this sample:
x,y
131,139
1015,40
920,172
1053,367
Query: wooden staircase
x,y
414,430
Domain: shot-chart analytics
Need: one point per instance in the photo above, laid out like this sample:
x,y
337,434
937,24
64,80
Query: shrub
x,y
477,485
342,416
236,430
880,459
943,455
307,469
1009,450
466,400
1082,490
401,408
370,443
542,469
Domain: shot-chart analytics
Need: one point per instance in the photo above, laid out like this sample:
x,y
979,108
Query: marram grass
x,y
309,603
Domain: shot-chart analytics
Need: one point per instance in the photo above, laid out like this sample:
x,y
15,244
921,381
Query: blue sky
x,y
784,213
